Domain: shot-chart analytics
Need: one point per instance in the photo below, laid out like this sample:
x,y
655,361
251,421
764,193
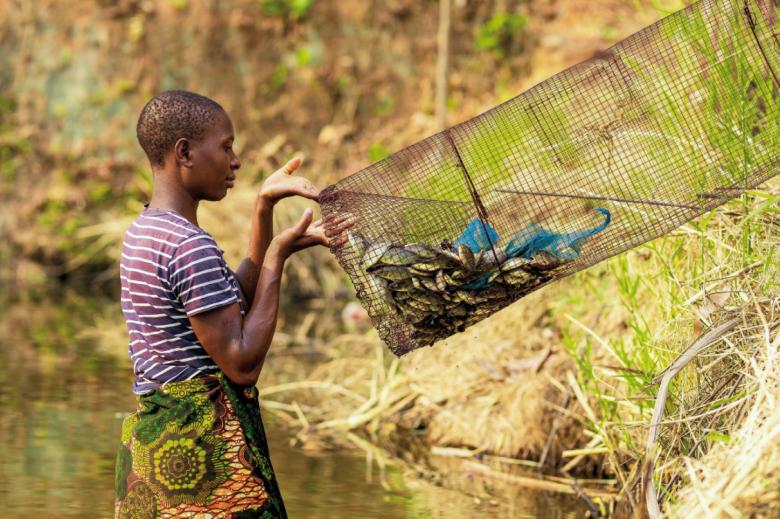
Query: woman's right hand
x,y
239,343
306,233
282,183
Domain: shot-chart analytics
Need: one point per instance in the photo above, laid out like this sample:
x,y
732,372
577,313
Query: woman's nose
x,y
235,163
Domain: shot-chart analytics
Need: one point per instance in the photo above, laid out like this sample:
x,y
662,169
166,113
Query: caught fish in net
x,y
604,156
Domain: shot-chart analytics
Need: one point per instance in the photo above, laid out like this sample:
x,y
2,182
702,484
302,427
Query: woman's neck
x,y
170,195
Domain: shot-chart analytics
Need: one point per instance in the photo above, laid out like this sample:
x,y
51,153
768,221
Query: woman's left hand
x,y
282,184
306,233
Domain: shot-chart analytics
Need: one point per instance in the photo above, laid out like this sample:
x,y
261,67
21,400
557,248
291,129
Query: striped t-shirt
x,y
170,270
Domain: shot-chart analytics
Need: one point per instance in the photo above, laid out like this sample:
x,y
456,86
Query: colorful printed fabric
x,y
196,448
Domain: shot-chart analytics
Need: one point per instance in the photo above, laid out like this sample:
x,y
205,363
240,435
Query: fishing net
x,y
611,153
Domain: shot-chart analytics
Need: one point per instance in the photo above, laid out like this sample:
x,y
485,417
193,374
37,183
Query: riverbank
x,y
565,380
555,392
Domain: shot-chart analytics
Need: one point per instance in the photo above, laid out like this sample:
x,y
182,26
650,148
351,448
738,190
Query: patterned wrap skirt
x,y
196,448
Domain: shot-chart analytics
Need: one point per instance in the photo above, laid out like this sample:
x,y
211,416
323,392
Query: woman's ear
x,y
182,151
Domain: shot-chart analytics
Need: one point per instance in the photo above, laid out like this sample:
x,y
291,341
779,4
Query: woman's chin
x,y
215,197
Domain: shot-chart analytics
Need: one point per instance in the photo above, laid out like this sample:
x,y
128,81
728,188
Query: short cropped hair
x,y
170,116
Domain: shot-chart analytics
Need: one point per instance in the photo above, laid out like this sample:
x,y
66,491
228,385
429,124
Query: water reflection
x,y
64,386
60,413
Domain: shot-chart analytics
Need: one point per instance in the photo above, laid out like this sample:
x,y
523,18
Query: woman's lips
x,y
230,181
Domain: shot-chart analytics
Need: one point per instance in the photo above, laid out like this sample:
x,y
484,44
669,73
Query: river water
x,y
64,389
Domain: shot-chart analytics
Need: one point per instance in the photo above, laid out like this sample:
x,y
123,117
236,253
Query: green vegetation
x,y
732,105
724,263
377,152
499,33
279,77
666,292
287,8
678,130
384,106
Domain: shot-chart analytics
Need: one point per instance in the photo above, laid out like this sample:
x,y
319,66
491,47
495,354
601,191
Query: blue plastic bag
x,y
566,246
479,235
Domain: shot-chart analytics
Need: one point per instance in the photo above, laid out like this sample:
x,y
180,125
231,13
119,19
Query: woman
x,y
199,332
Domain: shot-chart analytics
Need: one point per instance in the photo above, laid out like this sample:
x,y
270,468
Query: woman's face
x,y
214,163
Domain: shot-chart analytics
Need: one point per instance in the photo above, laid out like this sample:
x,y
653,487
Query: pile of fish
x,y
442,290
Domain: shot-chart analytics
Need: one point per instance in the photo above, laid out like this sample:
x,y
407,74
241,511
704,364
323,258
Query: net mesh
x,y
608,154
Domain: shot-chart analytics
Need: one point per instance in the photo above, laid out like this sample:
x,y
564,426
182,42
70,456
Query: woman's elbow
x,y
244,373
241,367
243,378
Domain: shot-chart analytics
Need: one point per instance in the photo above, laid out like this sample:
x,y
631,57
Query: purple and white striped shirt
x,y
170,270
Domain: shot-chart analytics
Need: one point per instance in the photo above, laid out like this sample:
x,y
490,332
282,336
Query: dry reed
x,y
740,477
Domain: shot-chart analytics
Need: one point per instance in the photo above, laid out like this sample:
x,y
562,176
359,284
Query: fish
x,y
425,268
441,281
403,285
379,287
428,298
398,256
490,259
544,261
466,257
392,273
515,263
358,244
431,285
466,297
439,291
516,277
373,254
421,250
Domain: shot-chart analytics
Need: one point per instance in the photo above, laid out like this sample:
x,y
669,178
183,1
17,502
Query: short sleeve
x,y
198,275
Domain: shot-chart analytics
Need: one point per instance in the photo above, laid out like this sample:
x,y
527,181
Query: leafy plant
x,y
279,77
377,152
293,8
499,32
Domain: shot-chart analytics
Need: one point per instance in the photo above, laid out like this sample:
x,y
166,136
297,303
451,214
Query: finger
x,y
340,224
336,218
338,241
323,240
303,223
305,242
333,230
311,194
291,165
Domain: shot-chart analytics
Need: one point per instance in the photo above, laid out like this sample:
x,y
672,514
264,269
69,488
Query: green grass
x,y
627,319
649,301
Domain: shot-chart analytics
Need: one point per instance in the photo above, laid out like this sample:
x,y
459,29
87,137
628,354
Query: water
x,y
64,388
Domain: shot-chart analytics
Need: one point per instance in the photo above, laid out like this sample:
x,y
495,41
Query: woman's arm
x,y
239,345
248,272
279,185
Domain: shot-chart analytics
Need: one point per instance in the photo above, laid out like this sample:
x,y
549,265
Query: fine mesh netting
x,y
606,155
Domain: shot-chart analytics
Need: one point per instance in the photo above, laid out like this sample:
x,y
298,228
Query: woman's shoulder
x,y
169,226
168,221
158,236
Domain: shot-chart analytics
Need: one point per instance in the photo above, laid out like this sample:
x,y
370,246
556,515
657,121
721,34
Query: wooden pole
x,y
648,467
442,62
